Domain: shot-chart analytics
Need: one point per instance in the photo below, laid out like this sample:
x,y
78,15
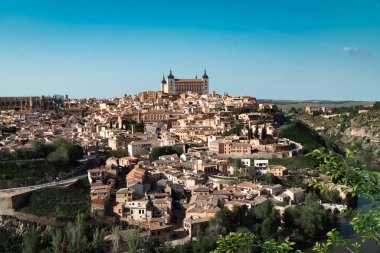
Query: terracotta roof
x,y
137,174
246,185
98,201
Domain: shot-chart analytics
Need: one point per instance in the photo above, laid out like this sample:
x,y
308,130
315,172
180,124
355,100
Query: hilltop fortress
x,y
178,86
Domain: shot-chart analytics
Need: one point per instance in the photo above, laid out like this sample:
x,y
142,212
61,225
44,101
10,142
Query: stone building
x,y
178,86
39,103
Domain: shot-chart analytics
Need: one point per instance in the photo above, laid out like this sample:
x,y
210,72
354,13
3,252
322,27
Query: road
x,y
40,186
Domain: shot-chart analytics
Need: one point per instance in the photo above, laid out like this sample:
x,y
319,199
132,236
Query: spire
x,y
163,79
205,76
170,75
196,76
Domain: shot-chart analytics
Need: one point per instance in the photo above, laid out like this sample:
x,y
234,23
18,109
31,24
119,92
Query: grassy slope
x,y
23,170
295,162
60,202
366,152
300,133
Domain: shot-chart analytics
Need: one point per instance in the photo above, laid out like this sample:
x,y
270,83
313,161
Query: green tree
x,y
269,220
256,132
250,133
41,149
159,151
236,242
344,170
76,236
264,133
30,241
116,239
97,242
133,240
237,164
331,196
225,217
203,243
59,157
56,241
248,242
187,247
151,245
269,178
307,223
69,152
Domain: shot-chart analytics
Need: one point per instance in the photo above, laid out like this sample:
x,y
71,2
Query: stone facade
x,y
39,103
178,86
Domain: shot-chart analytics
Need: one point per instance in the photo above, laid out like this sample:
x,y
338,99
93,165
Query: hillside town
x,y
165,161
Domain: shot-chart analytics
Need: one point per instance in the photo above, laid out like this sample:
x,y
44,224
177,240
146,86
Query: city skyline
x,y
288,50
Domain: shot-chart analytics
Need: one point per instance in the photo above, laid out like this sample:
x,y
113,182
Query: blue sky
x,y
280,49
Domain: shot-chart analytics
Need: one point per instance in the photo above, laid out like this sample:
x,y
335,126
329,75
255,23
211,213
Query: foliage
x,y
9,242
42,160
268,220
307,223
159,151
269,178
368,224
343,170
264,134
256,132
133,240
248,242
40,149
77,240
24,169
334,238
235,242
73,152
30,241
236,130
151,245
116,239
59,157
237,163
97,243
56,241
58,201
295,162
301,133
330,196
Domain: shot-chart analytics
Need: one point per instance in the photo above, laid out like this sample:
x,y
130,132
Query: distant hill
x,y
286,105
358,131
